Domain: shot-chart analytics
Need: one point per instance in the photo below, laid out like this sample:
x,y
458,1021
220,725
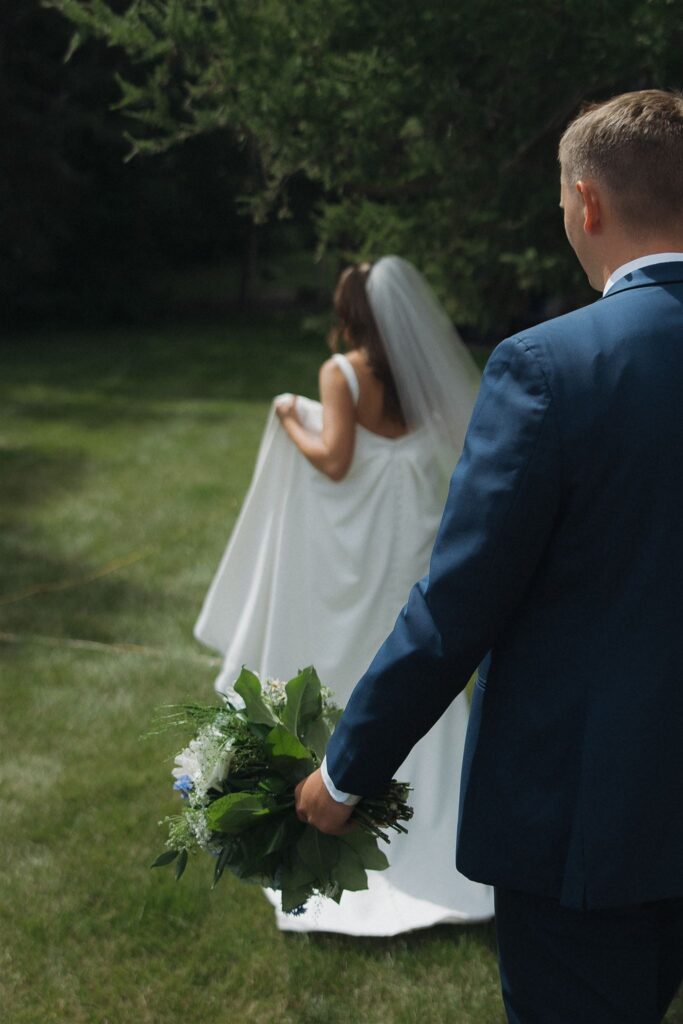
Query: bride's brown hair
x,y
357,329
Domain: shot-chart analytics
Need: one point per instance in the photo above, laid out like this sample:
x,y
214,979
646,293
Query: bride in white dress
x,y
338,524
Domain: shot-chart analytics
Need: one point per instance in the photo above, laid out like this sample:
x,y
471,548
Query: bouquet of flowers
x,y
238,777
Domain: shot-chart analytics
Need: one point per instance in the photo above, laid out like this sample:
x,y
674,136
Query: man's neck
x,y
640,263
628,252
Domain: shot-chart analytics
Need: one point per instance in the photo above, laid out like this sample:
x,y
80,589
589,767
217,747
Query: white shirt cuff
x,y
336,794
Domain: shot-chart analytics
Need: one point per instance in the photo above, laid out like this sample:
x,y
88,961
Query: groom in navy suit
x,y
558,569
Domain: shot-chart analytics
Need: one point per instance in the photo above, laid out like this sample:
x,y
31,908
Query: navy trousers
x,y
562,966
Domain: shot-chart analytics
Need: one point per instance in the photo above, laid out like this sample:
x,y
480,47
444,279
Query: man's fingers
x,y
300,813
314,806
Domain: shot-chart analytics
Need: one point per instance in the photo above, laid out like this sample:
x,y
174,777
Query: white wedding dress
x,y
315,573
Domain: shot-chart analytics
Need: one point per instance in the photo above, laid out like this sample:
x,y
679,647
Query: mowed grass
x,y
124,457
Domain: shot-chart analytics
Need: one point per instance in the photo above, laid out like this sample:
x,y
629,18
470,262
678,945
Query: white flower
x,y
187,763
205,761
275,693
200,830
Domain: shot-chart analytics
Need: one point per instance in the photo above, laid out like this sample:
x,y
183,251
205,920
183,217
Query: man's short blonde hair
x,y
633,145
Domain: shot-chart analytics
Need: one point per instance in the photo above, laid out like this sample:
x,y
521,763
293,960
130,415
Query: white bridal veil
x,y
436,377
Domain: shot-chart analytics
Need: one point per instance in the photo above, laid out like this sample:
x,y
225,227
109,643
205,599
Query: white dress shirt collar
x,y
642,261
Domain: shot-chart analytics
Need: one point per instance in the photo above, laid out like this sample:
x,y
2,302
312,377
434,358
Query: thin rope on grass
x,y
47,588
96,645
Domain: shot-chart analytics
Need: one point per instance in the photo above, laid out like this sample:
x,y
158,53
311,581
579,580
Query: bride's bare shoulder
x,y
358,359
330,370
332,381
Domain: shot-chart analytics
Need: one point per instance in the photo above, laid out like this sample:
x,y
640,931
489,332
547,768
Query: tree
x,y
85,235
431,128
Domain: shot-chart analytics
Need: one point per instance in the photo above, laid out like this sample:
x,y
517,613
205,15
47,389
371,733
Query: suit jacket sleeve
x,y
501,506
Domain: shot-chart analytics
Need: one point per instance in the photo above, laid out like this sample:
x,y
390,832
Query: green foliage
x,y
362,844
85,236
288,755
249,689
181,864
431,128
244,815
165,858
235,812
304,702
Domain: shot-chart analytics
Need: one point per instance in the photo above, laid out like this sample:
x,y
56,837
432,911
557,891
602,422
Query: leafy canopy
x,y
430,128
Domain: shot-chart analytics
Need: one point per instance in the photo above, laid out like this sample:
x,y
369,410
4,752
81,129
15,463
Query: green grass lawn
x,y
124,457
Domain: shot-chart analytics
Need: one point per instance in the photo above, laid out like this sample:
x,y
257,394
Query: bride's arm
x,y
331,451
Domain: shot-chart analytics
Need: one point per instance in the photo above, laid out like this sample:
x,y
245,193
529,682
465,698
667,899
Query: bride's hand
x,y
286,408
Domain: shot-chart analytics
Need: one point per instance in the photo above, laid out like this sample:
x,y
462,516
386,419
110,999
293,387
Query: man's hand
x,y
315,806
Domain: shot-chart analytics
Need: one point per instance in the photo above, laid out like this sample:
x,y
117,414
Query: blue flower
x,y
184,786
297,911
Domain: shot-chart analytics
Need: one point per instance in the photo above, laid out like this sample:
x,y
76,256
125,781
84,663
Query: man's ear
x,y
592,213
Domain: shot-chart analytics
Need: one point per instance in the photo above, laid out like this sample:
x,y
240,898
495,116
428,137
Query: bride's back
x,y
371,411
378,408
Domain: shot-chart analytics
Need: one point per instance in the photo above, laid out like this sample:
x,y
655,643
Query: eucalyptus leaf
x,y
221,864
304,702
181,864
249,689
165,858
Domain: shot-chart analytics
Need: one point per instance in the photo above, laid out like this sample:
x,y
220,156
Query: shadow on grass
x,y
32,476
483,935
68,604
249,358
41,589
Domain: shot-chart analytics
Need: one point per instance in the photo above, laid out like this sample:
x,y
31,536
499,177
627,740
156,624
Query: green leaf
x,y
277,838
319,852
249,689
76,41
366,847
274,784
221,863
335,894
316,736
295,830
287,754
304,702
293,897
236,812
253,859
296,873
181,865
349,872
165,858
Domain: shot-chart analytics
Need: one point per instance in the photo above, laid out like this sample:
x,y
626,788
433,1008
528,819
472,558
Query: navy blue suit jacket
x,y
559,567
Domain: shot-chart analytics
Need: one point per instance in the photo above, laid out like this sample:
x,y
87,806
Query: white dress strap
x,y
347,369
